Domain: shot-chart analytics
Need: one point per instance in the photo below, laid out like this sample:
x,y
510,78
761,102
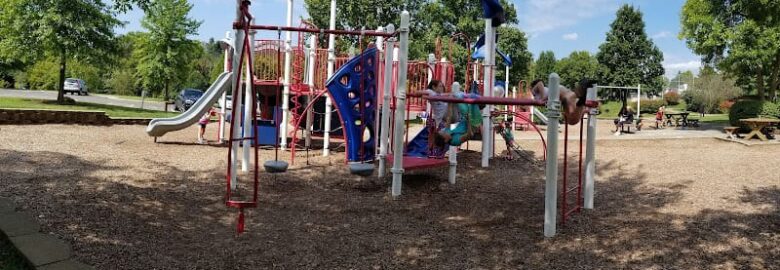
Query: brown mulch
x,y
124,202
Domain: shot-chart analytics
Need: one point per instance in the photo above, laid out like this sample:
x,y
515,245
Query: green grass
x,y
112,111
9,257
711,118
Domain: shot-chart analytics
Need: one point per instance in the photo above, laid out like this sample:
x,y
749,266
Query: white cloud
x,y
570,36
673,67
547,15
662,34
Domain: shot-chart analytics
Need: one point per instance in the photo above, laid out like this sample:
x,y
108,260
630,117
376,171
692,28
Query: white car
x,y
228,102
75,86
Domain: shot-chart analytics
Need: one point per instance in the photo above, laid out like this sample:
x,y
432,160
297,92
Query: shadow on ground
x,y
321,217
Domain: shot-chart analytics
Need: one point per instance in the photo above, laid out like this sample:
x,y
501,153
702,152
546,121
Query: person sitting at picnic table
x,y
626,115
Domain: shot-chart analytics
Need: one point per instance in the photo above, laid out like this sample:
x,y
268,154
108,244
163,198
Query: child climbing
x,y
572,102
505,130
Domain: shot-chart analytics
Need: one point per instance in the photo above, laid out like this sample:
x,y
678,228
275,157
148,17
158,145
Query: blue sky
x,y
562,26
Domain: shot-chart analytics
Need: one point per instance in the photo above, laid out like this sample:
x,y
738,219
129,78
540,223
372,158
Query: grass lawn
x,y
9,257
112,111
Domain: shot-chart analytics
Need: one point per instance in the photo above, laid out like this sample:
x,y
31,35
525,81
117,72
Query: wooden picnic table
x,y
756,125
683,117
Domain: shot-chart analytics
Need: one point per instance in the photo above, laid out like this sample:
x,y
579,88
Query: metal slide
x,y
541,116
159,126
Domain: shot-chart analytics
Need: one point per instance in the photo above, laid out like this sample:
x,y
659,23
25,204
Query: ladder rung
x,y
240,204
572,189
576,208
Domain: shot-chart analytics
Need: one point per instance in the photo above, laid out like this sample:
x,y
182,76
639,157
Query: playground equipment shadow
x,y
127,203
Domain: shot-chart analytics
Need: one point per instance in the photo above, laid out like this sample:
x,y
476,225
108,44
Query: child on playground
x,y
659,117
469,119
204,120
505,130
572,102
438,108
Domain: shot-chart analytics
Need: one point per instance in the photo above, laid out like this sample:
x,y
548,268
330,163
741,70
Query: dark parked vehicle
x,y
186,98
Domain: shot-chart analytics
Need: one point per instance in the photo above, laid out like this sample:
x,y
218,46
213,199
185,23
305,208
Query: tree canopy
x,y
545,65
629,57
166,52
738,36
576,66
65,28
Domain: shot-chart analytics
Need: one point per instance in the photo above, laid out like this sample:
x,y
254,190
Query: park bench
x,y
731,132
693,122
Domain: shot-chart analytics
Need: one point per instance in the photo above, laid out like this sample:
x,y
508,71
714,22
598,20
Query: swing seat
x,y
361,169
275,166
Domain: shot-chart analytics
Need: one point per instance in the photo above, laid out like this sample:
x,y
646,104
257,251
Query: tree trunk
x,y
165,95
61,85
775,78
760,85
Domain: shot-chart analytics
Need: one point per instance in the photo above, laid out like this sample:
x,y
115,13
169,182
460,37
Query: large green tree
x,y
545,65
167,53
513,42
628,55
576,66
738,36
67,29
431,21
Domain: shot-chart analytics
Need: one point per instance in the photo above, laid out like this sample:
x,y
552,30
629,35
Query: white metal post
x,y
506,90
378,112
487,138
247,125
638,98
384,130
551,176
223,102
514,110
287,75
453,158
444,73
310,80
400,103
331,66
431,68
590,153
238,49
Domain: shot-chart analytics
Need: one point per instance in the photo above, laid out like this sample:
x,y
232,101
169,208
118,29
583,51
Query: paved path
x,y
92,98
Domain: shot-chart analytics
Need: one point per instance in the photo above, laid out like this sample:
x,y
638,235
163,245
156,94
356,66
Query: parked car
x,y
186,98
75,86
228,102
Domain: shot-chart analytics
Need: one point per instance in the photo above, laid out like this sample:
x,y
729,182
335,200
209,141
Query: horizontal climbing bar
x,y
322,31
488,100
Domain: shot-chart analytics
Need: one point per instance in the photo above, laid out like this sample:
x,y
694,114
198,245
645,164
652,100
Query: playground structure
x,y
355,89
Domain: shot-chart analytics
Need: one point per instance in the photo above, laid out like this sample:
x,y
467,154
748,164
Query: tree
x,y
578,65
513,42
431,21
545,65
629,57
81,29
710,90
166,53
739,37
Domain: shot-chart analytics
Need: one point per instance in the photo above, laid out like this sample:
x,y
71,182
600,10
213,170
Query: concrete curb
x,y
43,251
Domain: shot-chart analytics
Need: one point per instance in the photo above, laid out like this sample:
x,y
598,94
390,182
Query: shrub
x,y
751,108
651,105
725,106
672,98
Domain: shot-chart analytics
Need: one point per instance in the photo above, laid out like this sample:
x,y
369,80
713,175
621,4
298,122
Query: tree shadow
x,y
319,216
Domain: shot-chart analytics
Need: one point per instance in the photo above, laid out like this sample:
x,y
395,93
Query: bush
x,y
725,106
672,98
651,105
751,108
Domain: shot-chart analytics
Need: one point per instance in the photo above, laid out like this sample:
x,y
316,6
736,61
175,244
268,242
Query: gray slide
x,y
159,126
541,116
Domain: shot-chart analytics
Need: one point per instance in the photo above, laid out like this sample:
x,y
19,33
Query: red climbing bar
x,y
592,104
489,100
323,31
